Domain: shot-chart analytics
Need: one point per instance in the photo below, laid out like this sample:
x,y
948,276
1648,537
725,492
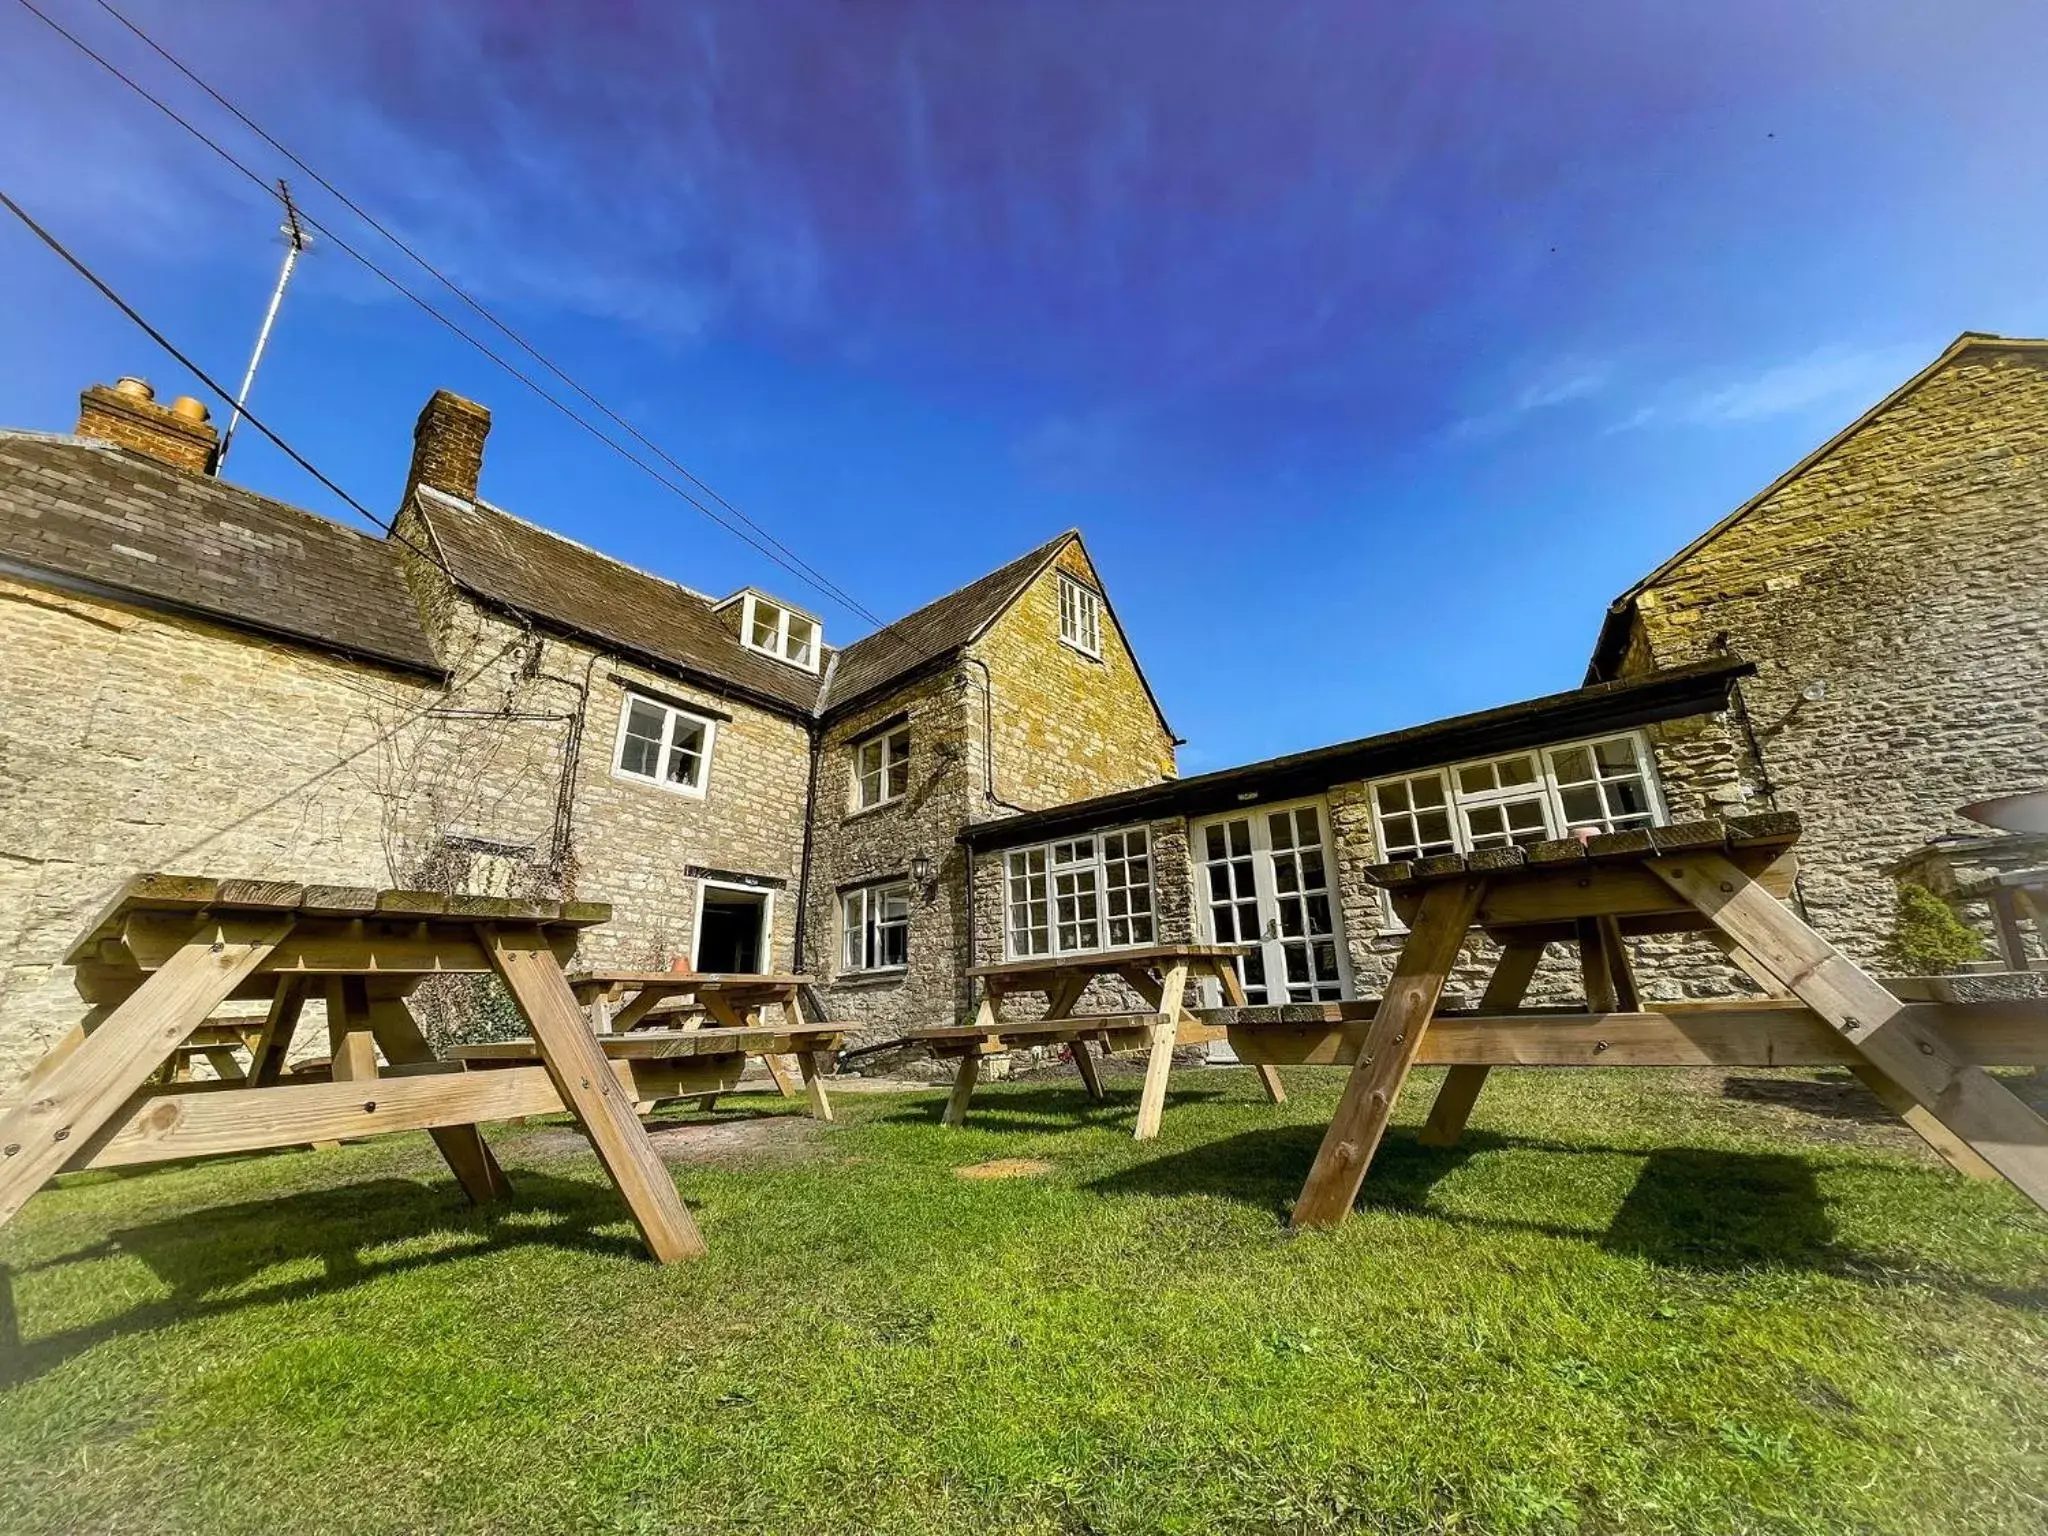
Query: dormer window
x,y
767,626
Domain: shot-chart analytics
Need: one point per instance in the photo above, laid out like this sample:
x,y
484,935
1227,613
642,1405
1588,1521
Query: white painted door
x,y
1266,881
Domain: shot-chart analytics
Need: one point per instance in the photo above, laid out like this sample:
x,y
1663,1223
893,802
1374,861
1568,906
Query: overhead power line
x,y
184,360
751,533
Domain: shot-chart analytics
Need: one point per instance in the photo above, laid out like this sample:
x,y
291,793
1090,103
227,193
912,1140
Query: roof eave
x,y
1701,688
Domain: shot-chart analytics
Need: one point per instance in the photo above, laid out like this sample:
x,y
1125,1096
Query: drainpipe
x,y
803,877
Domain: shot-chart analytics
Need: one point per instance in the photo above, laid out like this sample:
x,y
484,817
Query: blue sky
x,y
1374,351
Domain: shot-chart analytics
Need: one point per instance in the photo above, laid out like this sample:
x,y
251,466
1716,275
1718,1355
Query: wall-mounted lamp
x,y
921,870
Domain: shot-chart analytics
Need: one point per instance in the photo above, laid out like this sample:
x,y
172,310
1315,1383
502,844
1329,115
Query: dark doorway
x,y
731,930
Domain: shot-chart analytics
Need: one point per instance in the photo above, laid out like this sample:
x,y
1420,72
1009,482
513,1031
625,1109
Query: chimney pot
x,y
448,446
128,416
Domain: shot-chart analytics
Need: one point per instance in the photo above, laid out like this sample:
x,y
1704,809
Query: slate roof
x,y
502,558
937,629
110,518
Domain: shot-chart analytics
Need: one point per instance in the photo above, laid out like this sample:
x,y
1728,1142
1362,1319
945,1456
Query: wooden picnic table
x,y
169,948
628,1000
1724,880
1159,973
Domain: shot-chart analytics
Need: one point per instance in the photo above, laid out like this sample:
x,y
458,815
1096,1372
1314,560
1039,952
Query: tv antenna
x,y
295,241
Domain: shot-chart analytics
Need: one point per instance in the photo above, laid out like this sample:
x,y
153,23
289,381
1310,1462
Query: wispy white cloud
x,y
1832,378
1563,383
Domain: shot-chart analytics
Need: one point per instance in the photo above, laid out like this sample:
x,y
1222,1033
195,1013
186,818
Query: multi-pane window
x,y
1080,617
1127,886
1524,798
660,744
881,769
1415,817
1030,922
1267,881
1081,894
875,928
781,632
1602,784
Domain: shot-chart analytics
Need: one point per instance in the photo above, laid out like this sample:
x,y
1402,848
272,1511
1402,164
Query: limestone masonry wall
x,y
133,740
1894,596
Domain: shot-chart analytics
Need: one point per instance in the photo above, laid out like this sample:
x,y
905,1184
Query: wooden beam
x,y
1394,1040
964,1078
1170,997
1461,1086
461,1146
274,1041
1916,1055
583,1078
1084,1061
165,1124
1950,1148
1703,1035
69,1105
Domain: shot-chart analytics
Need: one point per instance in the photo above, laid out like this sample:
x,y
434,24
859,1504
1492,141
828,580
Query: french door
x,y
1266,881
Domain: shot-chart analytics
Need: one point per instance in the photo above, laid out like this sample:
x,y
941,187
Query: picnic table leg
x,y
1159,1063
813,1067
1398,1025
225,1067
1084,1059
1943,1142
1233,997
351,1046
70,1104
274,1040
461,1146
963,1089
584,1079
1917,1056
1460,1090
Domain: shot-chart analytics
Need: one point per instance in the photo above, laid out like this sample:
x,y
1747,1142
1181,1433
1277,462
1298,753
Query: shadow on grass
x,y
213,1260
1689,1208
1830,1098
1054,1107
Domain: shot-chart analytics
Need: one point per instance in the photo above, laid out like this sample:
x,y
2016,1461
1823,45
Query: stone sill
x,y
874,810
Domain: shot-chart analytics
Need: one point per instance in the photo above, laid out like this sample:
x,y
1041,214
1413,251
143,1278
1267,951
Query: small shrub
x,y
1928,939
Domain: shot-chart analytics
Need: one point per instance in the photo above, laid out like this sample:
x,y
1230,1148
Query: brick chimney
x,y
448,446
128,416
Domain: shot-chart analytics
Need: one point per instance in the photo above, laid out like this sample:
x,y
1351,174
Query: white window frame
x,y
1551,794
862,900
881,743
780,650
1266,894
1094,866
670,715
1080,616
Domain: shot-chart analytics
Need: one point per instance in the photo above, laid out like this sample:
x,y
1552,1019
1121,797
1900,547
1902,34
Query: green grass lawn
x,y
1631,1302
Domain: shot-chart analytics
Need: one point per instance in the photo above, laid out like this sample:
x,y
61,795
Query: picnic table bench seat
x,y
717,1056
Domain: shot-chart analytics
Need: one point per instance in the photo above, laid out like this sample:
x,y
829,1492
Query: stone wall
x,y
853,847
525,710
133,740
1066,726
1894,596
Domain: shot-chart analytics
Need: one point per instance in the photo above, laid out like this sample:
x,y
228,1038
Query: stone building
x,y
1892,590
193,677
